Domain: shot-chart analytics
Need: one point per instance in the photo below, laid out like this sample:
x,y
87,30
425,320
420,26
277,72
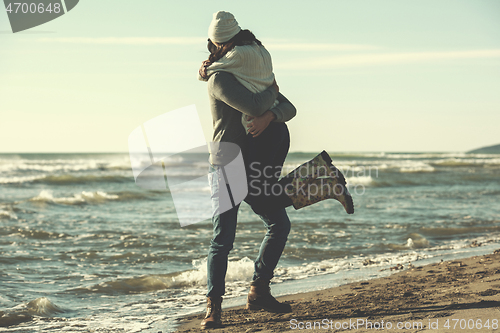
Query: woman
x,y
264,148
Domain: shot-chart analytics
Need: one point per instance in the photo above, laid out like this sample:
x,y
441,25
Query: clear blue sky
x,y
373,75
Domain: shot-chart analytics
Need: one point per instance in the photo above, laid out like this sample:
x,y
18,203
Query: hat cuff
x,y
222,37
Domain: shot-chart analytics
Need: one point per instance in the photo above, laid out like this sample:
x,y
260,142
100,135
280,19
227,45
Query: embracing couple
x,y
249,111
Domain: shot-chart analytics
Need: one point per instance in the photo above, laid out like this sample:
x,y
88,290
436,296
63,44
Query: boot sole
x,y
207,327
347,198
258,307
349,207
350,204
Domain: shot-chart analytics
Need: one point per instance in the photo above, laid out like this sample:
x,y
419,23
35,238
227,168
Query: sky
x,y
364,75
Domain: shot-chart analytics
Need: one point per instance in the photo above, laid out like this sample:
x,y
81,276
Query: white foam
x,y
18,180
66,165
420,167
84,196
7,214
467,161
409,243
174,159
424,155
51,166
43,307
362,180
399,165
237,270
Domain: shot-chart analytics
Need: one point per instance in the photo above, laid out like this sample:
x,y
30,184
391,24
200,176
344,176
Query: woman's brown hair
x,y
244,37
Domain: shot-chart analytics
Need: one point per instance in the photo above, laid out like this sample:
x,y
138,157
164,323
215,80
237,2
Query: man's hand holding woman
x,y
260,123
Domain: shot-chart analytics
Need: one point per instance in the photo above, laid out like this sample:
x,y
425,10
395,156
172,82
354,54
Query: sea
x,y
83,248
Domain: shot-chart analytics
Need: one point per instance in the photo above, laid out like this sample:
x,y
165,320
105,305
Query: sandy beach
x,y
450,296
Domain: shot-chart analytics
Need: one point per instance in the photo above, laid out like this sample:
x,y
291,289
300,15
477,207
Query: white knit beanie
x,y
223,27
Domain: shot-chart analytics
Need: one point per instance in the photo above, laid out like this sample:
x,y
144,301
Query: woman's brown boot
x,y
260,297
214,313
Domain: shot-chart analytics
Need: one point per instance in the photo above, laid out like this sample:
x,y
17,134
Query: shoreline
x,y
456,295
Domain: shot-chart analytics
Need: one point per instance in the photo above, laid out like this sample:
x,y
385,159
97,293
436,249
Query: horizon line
x,y
290,152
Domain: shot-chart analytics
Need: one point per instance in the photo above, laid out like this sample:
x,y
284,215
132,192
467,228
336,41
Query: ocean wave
x,y
66,179
381,155
467,162
7,214
332,266
408,165
356,155
41,306
19,179
415,241
238,271
404,166
84,179
80,198
238,274
373,167
69,178
455,163
52,166
361,180
416,248
135,195
85,197
451,231
64,165
415,169
411,156
31,233
187,160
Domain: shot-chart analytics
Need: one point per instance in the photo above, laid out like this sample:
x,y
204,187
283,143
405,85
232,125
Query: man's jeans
x,y
224,224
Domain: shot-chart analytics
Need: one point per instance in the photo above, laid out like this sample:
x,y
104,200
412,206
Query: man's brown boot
x,y
214,313
260,297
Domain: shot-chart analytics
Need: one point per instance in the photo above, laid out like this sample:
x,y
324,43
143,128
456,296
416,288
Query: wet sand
x,y
452,296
